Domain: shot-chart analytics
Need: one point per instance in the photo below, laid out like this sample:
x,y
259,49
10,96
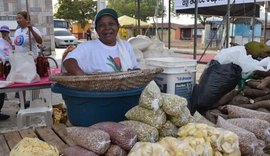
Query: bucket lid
x,y
171,62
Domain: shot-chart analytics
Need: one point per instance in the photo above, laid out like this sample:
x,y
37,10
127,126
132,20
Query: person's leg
x,y
2,99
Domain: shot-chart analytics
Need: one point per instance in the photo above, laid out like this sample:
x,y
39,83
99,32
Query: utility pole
x,y
162,22
169,26
101,4
138,17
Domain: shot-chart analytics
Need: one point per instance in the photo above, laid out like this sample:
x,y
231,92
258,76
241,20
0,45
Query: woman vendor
x,y
105,54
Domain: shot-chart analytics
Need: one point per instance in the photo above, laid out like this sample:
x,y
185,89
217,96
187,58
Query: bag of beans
x,y
198,118
121,135
77,151
183,119
239,112
92,139
247,140
168,129
145,132
153,118
151,97
115,150
260,128
173,104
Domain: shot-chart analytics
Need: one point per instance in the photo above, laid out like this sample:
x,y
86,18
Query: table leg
x,y
21,100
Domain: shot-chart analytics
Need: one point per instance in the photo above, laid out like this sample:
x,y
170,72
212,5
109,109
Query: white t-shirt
x,y
21,41
268,43
5,49
94,56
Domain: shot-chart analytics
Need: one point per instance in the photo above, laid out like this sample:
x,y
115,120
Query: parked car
x,y
64,38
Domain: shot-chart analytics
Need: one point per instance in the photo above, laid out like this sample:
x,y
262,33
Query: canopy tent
x,y
221,10
127,21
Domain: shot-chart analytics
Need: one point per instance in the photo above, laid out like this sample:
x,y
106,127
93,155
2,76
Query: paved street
x,y
11,105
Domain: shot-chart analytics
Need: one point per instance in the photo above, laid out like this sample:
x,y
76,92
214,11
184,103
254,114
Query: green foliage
x,y
80,11
147,7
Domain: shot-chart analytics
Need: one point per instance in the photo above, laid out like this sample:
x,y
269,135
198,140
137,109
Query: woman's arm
x,y
36,36
72,67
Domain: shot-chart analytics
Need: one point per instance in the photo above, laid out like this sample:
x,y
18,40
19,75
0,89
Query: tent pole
x,y
162,17
139,18
195,30
169,27
253,20
265,21
228,24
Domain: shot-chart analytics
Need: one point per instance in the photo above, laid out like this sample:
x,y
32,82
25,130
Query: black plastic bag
x,y
216,81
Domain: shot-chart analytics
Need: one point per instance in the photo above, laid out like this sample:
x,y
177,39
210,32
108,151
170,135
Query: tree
x,y
147,8
80,11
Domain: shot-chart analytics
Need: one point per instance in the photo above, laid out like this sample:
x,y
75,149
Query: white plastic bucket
x,y
178,77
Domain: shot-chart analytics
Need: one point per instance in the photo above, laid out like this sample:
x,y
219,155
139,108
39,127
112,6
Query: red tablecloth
x,y
43,81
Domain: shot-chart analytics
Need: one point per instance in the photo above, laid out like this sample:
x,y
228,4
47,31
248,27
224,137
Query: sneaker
x,y
4,117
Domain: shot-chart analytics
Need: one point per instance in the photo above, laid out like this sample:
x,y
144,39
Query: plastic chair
x,y
39,106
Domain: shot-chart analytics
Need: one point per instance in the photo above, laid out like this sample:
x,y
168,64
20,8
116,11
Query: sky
x,y
53,3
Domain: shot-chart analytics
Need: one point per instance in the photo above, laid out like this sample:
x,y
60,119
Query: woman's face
x,y
4,34
107,29
22,22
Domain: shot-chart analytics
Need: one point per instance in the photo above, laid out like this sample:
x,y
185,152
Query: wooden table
x,y
56,136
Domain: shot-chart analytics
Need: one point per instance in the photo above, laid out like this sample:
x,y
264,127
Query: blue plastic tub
x,y
85,107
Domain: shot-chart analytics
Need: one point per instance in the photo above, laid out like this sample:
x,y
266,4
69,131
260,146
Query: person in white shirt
x,y
5,47
268,42
104,54
21,36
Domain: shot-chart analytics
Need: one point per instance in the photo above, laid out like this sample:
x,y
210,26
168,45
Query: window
x,y
61,33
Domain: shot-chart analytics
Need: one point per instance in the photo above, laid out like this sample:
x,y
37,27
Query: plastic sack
x,y
145,132
184,118
150,117
173,104
23,68
92,139
148,149
247,140
151,97
216,81
260,128
115,150
77,151
220,139
121,135
168,129
140,42
177,147
240,112
33,147
238,55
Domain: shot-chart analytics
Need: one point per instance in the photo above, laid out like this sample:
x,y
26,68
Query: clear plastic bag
x,y
150,117
23,68
92,139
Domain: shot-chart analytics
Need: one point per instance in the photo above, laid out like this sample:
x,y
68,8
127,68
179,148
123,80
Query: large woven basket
x,y
108,81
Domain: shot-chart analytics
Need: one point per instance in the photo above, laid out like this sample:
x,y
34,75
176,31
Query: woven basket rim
x,y
104,76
